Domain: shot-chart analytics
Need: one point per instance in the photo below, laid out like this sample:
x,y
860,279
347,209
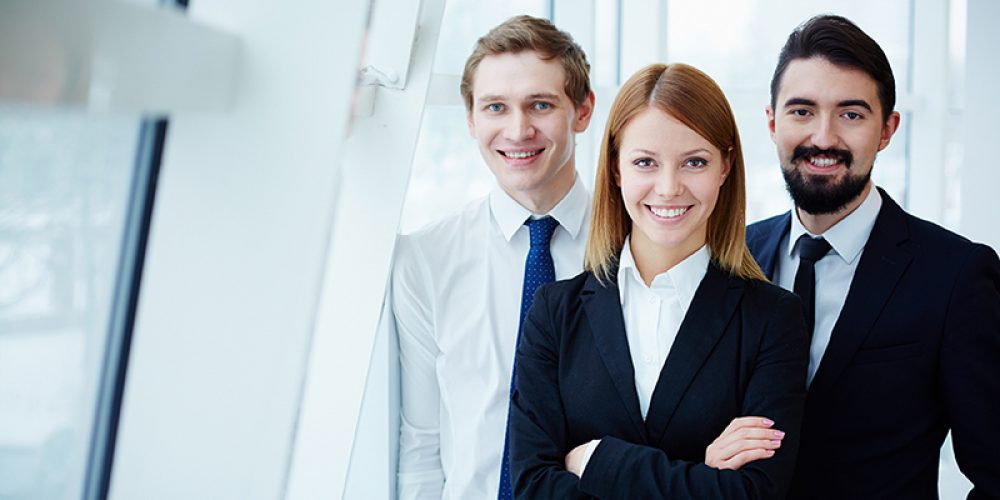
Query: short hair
x,y
522,33
842,43
693,98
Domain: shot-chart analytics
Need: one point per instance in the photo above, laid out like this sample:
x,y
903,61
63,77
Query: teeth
x,y
668,212
517,155
824,162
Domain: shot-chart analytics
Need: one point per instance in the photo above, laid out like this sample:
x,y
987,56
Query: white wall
x,y
236,255
980,173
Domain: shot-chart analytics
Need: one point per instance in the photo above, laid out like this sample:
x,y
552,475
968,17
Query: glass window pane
x,y
65,182
466,20
448,171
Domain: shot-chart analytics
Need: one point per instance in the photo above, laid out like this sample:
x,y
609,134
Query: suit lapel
x,y
765,241
882,264
713,304
602,305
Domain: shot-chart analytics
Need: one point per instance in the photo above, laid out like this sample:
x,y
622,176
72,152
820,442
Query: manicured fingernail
x,y
770,452
767,422
776,442
779,434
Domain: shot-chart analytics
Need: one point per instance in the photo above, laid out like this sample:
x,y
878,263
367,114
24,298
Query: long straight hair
x,y
693,98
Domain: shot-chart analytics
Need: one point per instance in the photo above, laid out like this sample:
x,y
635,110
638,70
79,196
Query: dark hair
x,y
842,43
524,33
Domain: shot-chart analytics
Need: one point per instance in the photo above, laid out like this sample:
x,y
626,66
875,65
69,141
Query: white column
x,y
980,173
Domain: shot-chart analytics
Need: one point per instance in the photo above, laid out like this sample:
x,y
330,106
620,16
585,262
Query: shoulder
x,y
765,295
945,248
439,232
431,252
767,227
563,292
453,232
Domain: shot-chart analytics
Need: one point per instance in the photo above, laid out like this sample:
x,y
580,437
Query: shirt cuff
x,y
591,446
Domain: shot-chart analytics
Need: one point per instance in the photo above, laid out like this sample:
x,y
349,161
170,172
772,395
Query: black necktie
x,y
810,251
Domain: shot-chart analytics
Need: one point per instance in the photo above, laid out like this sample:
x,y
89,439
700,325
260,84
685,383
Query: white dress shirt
x,y
456,298
653,316
834,272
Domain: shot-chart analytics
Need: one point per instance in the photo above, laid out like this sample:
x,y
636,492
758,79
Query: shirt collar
x,y
570,212
847,237
682,279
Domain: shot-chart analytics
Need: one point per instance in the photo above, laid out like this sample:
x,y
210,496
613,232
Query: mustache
x,y
843,155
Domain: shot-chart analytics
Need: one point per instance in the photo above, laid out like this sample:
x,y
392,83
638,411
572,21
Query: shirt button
x,y
648,359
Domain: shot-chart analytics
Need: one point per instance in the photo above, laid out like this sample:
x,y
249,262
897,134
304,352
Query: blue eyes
x,y
696,163
497,107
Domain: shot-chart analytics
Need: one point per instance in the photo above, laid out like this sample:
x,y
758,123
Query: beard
x,y
820,194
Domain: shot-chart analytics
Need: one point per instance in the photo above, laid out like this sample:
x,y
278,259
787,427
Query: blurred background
x,y
199,202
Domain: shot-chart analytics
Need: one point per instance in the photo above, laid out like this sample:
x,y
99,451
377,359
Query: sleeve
x,y
538,442
970,365
420,474
776,389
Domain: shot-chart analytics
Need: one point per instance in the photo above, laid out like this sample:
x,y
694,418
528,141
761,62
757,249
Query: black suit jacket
x,y
741,350
915,351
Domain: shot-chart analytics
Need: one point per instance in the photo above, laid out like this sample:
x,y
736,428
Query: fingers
x,y
745,439
745,457
738,423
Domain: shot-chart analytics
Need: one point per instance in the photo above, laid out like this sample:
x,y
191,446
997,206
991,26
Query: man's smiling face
x,y
828,129
525,124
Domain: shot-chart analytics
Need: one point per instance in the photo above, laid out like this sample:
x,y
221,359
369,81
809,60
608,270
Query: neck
x,y
819,223
654,260
542,200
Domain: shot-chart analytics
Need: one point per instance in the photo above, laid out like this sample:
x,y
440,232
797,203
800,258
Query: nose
x,y
825,135
668,183
519,126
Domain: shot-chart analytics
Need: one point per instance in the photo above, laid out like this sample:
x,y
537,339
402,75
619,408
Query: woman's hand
x,y
745,439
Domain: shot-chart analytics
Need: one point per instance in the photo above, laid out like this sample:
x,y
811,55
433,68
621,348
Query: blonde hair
x,y
693,98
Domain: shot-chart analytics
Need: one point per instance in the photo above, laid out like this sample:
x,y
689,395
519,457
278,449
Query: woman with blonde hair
x,y
667,368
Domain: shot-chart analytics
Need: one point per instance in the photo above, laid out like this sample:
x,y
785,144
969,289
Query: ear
x,y
470,124
727,163
888,129
769,112
584,112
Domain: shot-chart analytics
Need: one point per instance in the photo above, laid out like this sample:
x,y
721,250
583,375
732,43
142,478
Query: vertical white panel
x,y
928,119
642,25
578,18
980,175
376,168
235,259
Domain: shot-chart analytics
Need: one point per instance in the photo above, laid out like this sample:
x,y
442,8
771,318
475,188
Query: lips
x,y
521,154
668,214
823,160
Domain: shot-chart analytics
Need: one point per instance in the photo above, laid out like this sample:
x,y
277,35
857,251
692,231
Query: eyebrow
x,y
801,101
490,98
854,102
531,97
686,153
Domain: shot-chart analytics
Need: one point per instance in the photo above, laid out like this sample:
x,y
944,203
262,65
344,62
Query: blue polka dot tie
x,y
538,270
